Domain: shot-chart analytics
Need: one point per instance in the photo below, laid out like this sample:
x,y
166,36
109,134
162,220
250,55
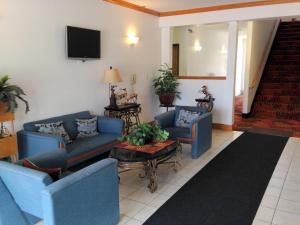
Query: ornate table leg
x,y
152,166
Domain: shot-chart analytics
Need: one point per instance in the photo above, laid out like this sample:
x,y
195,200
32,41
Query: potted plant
x,y
145,133
9,94
166,86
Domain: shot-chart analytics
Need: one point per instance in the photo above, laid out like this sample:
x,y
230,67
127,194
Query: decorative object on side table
x,y
166,86
111,77
146,147
206,100
9,94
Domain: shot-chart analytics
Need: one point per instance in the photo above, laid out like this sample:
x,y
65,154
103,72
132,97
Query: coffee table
x,y
131,160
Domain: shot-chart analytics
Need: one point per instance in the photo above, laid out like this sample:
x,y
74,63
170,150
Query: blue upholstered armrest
x,y
206,117
53,159
166,119
89,196
32,143
110,125
25,185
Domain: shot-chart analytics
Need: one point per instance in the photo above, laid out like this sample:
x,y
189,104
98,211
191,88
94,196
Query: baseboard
x,y
221,126
246,115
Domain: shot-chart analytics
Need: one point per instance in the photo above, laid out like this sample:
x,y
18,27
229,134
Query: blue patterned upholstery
x,y
199,134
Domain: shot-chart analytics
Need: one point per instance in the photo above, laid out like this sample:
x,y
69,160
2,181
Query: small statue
x,y
205,93
4,132
132,99
206,100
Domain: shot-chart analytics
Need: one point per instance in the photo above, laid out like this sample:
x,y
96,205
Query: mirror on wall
x,y
200,50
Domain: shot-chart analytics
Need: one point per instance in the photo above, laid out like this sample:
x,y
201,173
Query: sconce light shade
x,y
112,76
132,39
197,46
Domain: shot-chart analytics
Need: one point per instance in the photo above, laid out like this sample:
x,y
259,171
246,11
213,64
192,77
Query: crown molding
x,y
129,5
134,7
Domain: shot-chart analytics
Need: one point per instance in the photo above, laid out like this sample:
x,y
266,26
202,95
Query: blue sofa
x,y
199,134
87,197
31,142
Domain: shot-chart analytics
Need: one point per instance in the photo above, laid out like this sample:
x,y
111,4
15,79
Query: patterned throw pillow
x,y
185,118
56,128
87,127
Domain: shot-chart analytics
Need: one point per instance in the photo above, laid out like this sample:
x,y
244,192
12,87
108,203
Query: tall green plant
x,y
166,83
9,94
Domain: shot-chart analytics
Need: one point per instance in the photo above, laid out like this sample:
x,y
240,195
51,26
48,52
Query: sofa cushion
x,y
87,127
69,122
201,110
176,132
185,118
10,213
83,145
55,128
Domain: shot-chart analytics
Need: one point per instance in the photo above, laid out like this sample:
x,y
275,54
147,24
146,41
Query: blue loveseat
x,y
198,134
87,197
31,142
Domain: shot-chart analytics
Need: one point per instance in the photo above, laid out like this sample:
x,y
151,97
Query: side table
x,y
129,113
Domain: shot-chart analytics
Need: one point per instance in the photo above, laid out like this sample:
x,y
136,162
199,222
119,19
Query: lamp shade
x,y
112,76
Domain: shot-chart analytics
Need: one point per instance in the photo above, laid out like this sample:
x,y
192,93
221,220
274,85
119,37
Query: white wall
x,y
32,43
259,42
210,61
222,90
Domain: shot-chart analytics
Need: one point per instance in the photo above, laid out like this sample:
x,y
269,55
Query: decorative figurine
x,y
4,132
206,100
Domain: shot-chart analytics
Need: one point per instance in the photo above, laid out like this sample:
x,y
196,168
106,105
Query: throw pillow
x,y
54,173
87,127
56,128
185,118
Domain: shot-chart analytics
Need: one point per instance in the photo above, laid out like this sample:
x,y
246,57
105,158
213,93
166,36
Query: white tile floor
x,y
280,204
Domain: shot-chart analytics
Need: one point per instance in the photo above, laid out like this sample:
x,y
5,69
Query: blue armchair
x,y
87,197
199,133
31,142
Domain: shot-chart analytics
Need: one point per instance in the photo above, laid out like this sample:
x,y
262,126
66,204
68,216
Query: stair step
x,y
283,67
285,57
277,99
280,92
286,52
279,115
276,107
282,79
284,62
282,73
282,86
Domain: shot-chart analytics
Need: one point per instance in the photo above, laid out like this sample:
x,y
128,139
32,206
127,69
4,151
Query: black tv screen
x,y
83,43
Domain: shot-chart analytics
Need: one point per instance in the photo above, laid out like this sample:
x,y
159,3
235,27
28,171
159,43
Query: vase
x,y
166,99
2,107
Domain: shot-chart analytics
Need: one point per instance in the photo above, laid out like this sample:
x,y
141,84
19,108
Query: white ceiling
x,y
172,5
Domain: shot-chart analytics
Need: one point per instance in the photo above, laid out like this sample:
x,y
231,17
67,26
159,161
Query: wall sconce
x,y
197,46
224,49
132,39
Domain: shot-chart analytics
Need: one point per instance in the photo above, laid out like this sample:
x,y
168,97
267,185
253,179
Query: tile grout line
x,y
276,207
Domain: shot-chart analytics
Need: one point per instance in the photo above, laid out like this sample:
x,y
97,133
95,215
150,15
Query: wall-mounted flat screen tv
x,y
83,43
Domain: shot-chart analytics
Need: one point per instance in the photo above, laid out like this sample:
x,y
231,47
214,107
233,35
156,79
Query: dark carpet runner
x,y
229,189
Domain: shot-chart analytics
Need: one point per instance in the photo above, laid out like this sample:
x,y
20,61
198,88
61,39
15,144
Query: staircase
x,y
277,102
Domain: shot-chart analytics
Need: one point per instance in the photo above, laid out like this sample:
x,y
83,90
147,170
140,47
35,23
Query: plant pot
x,y
167,99
2,108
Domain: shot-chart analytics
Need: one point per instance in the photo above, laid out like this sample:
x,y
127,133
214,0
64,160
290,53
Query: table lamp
x,y
112,76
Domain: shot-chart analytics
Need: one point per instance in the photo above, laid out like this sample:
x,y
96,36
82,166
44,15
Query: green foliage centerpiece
x,y
145,133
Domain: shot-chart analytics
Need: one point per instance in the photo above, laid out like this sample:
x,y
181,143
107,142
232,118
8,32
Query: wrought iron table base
x,y
150,167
